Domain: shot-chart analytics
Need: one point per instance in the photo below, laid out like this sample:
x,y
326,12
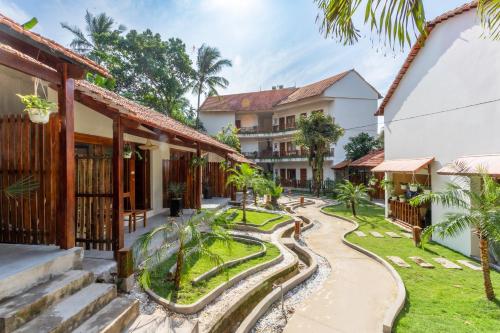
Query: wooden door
x,y
143,180
283,174
282,148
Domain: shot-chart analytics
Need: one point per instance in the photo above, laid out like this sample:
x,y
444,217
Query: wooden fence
x,y
94,200
215,177
28,149
404,212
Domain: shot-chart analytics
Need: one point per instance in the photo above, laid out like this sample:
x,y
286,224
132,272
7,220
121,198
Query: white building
x,y
267,121
443,105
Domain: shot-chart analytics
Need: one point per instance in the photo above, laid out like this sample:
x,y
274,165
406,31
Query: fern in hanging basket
x,y
198,161
38,108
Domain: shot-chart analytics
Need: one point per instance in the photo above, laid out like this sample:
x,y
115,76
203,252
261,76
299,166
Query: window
x,y
290,122
292,174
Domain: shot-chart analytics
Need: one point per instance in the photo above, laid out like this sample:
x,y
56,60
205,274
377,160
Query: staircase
x,y
66,299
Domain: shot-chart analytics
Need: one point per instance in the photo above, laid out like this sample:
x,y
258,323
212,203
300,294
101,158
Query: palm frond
x,y
489,13
21,188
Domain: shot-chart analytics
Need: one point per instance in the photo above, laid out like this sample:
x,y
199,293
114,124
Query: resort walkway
x,y
356,295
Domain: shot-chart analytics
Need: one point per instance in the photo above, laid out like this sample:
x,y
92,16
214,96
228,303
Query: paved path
x,y
355,296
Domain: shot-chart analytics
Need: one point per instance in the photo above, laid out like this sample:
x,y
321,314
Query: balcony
x,y
259,132
281,156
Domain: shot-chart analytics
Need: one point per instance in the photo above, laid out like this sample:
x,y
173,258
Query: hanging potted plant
x,y
198,161
176,191
414,187
427,190
127,151
38,108
372,181
402,198
404,186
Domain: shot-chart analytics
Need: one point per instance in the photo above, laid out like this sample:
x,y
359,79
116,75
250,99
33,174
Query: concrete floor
x,y
358,292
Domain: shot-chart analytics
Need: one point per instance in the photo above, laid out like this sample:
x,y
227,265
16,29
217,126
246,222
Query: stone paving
x,y
355,297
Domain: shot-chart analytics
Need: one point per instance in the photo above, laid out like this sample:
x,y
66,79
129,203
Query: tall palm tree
x,y
98,29
316,133
393,20
479,210
352,194
242,176
206,77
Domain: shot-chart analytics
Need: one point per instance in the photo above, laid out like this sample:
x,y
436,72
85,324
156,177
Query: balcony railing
x,y
260,130
281,154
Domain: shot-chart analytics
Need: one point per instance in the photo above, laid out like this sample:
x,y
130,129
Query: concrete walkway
x,y
356,295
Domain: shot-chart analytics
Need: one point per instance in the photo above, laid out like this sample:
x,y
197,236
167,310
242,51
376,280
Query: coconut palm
x,y
351,194
316,133
98,28
190,241
242,176
207,80
479,210
393,20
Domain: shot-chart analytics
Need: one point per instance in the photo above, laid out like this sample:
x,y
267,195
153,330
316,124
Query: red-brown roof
x,y
252,101
370,160
16,30
147,116
416,48
407,165
314,89
342,165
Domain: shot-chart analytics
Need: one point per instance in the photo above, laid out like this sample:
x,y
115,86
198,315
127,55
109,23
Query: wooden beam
x,y
66,209
142,134
93,139
28,67
118,235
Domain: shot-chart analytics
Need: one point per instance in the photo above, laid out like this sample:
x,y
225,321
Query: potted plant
x,y
404,186
128,151
176,191
372,181
414,187
427,190
394,197
198,161
402,198
38,108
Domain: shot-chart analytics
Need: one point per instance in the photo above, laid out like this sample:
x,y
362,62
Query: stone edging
x,y
208,298
263,223
243,227
398,304
261,308
250,240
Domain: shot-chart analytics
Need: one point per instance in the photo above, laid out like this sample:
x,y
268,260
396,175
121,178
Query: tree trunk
x,y
353,208
485,263
244,204
198,109
178,268
274,201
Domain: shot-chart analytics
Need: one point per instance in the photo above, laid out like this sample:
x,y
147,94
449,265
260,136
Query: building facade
x,y
267,122
442,107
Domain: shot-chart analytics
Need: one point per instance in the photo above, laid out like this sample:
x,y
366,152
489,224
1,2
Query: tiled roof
x,y
314,89
416,48
18,54
52,47
370,160
153,118
252,101
342,165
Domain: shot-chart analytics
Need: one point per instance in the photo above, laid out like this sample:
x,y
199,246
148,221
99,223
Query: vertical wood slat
x,y
405,213
215,176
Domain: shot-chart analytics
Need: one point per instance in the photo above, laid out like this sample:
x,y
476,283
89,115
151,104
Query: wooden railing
x,y
405,213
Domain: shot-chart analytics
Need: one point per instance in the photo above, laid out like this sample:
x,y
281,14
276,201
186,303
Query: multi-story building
x,y
267,121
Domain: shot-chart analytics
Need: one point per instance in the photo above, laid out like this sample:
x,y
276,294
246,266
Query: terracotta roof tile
x,y
151,117
16,53
314,89
342,165
416,48
252,101
370,160
15,29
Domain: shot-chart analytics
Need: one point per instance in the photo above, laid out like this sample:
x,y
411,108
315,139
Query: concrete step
x,y
18,310
25,266
113,318
69,313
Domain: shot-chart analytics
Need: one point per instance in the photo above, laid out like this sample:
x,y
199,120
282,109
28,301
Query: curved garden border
x,y
248,227
208,298
393,311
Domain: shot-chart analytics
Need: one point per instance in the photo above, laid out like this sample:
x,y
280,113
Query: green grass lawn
x,y
439,299
197,265
257,218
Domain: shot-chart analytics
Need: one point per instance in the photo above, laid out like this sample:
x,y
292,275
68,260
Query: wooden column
x,y
66,209
198,177
118,235
232,188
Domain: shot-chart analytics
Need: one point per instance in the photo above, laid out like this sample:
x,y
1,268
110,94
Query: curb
x,y
242,227
398,304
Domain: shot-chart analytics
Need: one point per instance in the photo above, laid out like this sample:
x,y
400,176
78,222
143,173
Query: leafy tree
x,y
352,194
191,241
316,133
393,20
206,78
360,145
479,210
242,176
229,136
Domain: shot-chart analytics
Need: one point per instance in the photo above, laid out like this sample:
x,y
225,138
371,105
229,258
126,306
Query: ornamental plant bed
x,y
453,297
260,220
197,265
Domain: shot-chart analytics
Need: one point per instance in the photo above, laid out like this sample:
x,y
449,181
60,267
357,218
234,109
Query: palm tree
x,y
98,28
479,211
275,191
191,241
392,20
352,194
316,133
206,77
242,176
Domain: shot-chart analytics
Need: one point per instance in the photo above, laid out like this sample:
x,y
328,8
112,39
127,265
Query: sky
x,y
270,42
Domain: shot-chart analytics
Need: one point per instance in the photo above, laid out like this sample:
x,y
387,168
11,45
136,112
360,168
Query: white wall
x,y
215,121
456,69
248,119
